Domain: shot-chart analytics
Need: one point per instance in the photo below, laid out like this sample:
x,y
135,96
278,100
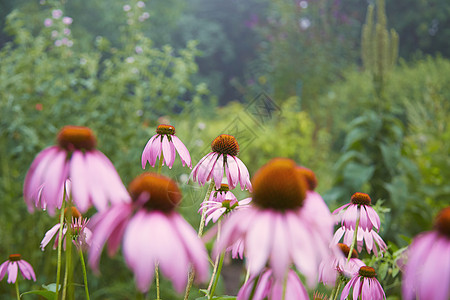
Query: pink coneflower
x,y
81,235
224,153
156,234
221,202
12,265
270,287
280,228
364,285
165,143
67,20
57,13
427,271
94,178
48,22
359,208
335,265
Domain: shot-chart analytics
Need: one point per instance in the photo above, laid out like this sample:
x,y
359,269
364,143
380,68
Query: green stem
x,y
355,234
200,233
254,288
68,270
284,286
216,280
157,281
216,264
83,267
17,289
335,292
161,159
58,267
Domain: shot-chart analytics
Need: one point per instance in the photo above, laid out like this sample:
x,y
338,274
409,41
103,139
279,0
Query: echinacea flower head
x,y
155,235
360,208
280,228
77,225
94,180
336,264
365,285
165,143
270,287
427,270
221,202
13,265
223,157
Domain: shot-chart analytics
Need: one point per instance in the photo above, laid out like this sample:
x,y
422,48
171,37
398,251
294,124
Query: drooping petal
x,y
182,151
258,242
168,151
217,172
80,176
206,168
280,256
12,272
54,179
3,269
49,235
146,152
244,177
373,217
232,171
26,269
155,150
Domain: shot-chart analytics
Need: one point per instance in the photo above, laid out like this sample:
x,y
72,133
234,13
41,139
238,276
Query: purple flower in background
x,y
94,180
364,285
427,271
252,22
13,265
126,7
221,202
57,13
140,4
48,22
165,144
359,208
155,234
80,234
280,229
223,157
270,287
337,264
67,20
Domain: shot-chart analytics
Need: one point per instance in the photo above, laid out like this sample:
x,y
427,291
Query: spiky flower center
x,y
225,144
165,129
346,249
278,185
443,222
360,198
229,204
73,138
15,257
367,272
223,188
163,193
310,177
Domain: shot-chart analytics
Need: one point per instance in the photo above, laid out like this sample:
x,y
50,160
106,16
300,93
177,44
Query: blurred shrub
x,y
50,77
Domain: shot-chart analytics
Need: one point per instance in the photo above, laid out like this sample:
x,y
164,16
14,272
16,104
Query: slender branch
x,y
216,280
217,260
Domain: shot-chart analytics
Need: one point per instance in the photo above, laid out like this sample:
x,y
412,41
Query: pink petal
x,y
217,172
79,174
55,176
198,167
232,172
49,235
244,177
12,272
373,217
206,167
3,269
146,152
155,150
280,257
182,151
168,151
259,241
26,269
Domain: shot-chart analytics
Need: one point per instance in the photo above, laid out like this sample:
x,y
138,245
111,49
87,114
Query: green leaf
x,y
46,294
50,287
382,270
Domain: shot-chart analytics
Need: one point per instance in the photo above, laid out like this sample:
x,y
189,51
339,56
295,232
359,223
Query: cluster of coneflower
x,y
283,230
